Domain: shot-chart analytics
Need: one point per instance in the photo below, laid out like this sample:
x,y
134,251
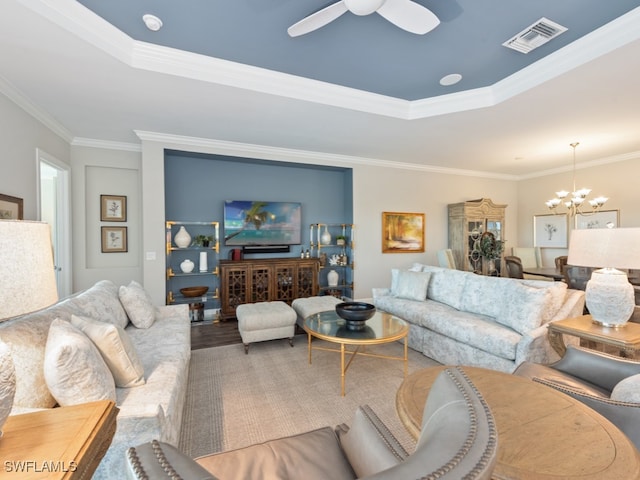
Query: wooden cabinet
x,y
467,222
266,280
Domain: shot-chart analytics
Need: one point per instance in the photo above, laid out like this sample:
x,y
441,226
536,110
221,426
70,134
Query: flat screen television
x,y
262,223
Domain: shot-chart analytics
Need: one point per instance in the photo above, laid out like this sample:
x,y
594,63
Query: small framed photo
x,y
402,232
113,208
550,231
114,239
602,219
11,208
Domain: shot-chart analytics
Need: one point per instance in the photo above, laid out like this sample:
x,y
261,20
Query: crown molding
x,y
623,157
22,101
82,22
106,144
263,152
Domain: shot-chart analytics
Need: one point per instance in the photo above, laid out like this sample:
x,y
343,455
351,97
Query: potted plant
x,y
490,250
203,240
340,239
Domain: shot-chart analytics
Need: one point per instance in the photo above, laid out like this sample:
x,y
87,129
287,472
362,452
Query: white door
x,y
54,207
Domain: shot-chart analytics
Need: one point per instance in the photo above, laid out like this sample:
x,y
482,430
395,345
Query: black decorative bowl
x,y
355,313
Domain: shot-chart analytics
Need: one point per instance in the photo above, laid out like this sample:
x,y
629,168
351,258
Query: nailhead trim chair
x,y
459,439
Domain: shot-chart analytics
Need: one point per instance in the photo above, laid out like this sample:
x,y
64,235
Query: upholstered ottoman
x,y
262,321
305,307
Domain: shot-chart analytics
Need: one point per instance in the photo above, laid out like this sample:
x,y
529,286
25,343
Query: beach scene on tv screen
x,y
262,223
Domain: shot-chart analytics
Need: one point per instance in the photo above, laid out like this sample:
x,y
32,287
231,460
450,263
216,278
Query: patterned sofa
x,y
460,318
150,406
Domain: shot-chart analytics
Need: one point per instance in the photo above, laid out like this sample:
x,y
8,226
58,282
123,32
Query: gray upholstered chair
x,y
608,384
446,258
458,440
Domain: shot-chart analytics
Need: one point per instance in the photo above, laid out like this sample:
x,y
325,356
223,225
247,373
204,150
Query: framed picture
x,y
114,239
11,208
602,219
113,208
550,231
402,232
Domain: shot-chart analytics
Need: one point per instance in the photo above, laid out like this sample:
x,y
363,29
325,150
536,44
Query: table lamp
x,y
609,295
27,284
28,281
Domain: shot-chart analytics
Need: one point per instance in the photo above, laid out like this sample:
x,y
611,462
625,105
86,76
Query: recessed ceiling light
x,y
450,79
152,22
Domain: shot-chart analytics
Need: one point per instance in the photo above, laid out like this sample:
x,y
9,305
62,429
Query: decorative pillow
x,y
369,445
138,305
73,367
523,307
116,349
411,285
7,383
627,390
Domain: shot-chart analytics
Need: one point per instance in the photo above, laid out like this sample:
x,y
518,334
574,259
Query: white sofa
x,y
461,318
149,411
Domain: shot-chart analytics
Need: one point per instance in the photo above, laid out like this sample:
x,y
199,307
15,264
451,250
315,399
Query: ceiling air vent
x,y
535,35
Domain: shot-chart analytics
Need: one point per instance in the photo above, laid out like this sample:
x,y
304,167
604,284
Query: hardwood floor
x,y
214,334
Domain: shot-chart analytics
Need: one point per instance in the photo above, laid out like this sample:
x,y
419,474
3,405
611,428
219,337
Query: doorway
x,y
54,207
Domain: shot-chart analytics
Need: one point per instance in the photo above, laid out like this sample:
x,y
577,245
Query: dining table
x,y
548,272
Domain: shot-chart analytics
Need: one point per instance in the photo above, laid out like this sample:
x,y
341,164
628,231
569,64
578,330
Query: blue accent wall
x,y
196,186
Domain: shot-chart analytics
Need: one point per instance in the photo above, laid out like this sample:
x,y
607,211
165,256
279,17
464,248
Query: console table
x,y
543,434
626,340
57,443
266,280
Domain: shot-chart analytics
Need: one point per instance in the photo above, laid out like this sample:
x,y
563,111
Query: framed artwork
x,y
550,231
11,208
114,239
602,219
113,208
402,232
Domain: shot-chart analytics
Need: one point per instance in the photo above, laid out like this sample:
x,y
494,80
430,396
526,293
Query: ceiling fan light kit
x,y
405,14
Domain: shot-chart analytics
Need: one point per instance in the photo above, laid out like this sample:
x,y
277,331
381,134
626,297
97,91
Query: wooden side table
x,y
626,340
543,434
57,443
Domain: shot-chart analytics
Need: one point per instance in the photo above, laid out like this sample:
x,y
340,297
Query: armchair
x,y
608,384
459,439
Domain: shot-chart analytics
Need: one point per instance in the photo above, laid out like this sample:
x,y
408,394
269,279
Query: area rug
x,y
235,400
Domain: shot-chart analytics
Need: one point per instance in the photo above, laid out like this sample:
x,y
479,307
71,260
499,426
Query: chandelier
x,y
575,203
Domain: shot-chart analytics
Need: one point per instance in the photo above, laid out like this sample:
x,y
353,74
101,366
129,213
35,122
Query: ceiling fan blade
x,y
409,16
318,19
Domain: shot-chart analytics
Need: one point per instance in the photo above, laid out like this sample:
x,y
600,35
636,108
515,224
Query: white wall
x,y
95,172
618,181
20,135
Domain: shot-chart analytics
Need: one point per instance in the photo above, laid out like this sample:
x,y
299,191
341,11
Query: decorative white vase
x,y
325,238
187,266
182,239
332,278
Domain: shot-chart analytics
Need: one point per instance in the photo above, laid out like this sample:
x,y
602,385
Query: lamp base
x,y
610,298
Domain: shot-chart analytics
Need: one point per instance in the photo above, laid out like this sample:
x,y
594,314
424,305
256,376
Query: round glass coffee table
x,y
381,328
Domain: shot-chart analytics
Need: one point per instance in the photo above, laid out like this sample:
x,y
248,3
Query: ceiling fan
x,y
405,14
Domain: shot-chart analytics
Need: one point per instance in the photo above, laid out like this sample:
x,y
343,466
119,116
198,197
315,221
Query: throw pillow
x,y
73,368
523,307
7,383
627,390
116,349
411,285
138,305
369,445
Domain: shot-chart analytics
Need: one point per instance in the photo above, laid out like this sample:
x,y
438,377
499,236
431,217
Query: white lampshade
x,y
609,296
28,281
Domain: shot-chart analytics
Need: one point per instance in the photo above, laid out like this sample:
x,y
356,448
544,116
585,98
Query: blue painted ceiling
x,y
363,52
